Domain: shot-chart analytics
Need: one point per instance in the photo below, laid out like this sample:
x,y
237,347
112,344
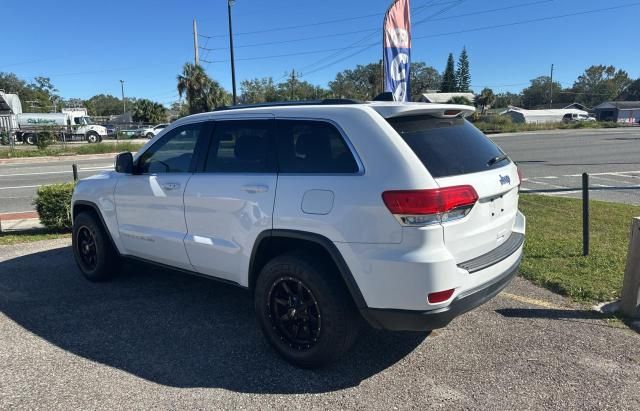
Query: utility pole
x,y
292,84
124,102
551,88
196,58
233,65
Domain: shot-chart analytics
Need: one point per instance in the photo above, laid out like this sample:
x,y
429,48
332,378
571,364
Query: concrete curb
x,y
567,131
27,220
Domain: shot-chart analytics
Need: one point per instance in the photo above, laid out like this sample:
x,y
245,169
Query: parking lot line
x,y
532,301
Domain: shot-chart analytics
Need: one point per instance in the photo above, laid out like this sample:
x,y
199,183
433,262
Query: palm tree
x,y
485,99
203,94
148,111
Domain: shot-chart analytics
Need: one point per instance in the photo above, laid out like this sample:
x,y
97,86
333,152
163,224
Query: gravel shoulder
x,y
159,339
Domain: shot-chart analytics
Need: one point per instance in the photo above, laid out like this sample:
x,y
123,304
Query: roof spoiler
x,y
416,109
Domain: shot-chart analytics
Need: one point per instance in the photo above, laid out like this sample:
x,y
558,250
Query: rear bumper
x,y
410,320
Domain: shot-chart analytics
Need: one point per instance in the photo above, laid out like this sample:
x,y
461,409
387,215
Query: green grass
x,y
19,237
553,249
509,127
71,149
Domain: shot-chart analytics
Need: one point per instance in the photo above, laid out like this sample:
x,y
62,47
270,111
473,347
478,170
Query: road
x,y
165,340
556,159
549,159
19,182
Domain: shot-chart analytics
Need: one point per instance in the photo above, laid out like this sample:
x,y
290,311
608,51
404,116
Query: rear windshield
x,y
449,147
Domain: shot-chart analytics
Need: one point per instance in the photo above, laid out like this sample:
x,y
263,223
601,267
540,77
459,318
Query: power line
x,y
320,23
323,60
377,28
539,19
488,28
438,13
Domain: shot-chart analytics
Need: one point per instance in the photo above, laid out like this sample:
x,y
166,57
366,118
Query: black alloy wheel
x,y
86,245
294,313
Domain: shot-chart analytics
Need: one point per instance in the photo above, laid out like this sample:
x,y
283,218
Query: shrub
x,y
53,203
500,120
44,139
4,138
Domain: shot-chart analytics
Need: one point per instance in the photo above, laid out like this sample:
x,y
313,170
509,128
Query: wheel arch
x,y
80,206
271,243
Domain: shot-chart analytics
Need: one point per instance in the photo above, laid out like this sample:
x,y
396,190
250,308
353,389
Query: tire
x,y
95,256
329,319
150,135
93,138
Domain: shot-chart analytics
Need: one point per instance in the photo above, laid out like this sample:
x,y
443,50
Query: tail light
x,y
424,207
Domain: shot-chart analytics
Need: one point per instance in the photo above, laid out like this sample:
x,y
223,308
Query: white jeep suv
x,y
329,212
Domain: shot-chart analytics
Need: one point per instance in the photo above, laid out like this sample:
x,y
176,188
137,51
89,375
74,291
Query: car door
x,y
149,203
229,202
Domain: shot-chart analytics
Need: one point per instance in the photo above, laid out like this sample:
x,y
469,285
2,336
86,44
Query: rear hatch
x,y
458,154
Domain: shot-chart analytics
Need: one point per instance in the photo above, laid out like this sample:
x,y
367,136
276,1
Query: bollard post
x,y
74,167
630,296
585,214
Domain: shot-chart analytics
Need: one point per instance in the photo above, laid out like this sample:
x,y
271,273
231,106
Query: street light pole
x,y
124,102
233,65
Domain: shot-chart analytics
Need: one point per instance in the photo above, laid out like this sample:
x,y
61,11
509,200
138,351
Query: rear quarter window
x,y
448,147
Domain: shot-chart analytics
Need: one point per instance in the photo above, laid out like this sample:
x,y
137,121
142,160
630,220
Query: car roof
x,y
386,109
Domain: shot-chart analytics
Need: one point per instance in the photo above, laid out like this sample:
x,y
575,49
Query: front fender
x,y
98,192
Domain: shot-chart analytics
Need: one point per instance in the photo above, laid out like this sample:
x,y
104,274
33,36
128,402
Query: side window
x,y
173,153
241,146
306,146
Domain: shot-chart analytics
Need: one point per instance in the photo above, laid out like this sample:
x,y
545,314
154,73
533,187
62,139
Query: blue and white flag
x,y
397,50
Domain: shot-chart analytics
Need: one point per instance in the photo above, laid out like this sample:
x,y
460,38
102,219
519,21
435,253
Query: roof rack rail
x,y
326,101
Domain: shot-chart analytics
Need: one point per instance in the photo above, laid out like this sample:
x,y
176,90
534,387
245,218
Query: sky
x,y
87,47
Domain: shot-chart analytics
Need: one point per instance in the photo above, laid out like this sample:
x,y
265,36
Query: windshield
x,y
87,120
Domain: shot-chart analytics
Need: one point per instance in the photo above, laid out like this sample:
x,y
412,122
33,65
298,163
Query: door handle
x,y
170,186
255,188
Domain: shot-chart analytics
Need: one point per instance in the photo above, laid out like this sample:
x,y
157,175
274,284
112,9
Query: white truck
x,y
70,124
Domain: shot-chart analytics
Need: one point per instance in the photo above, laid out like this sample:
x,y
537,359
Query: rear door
x,y
229,201
457,153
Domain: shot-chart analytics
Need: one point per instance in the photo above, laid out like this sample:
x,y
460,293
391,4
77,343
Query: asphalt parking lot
x,y
160,339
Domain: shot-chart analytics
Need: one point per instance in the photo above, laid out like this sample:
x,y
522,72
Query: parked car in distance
x,y
330,212
150,132
111,129
130,132
573,117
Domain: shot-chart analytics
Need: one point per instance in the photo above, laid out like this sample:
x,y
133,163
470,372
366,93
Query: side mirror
x,y
124,163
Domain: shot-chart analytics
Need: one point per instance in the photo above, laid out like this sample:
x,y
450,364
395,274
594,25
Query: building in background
x,y
435,97
627,112
521,115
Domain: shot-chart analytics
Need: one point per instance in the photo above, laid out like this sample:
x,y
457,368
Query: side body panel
x,y
225,213
150,211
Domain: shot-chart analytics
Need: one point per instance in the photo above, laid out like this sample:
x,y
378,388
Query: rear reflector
x,y
440,296
421,207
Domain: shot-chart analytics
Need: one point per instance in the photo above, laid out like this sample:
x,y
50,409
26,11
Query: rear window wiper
x,y
497,159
